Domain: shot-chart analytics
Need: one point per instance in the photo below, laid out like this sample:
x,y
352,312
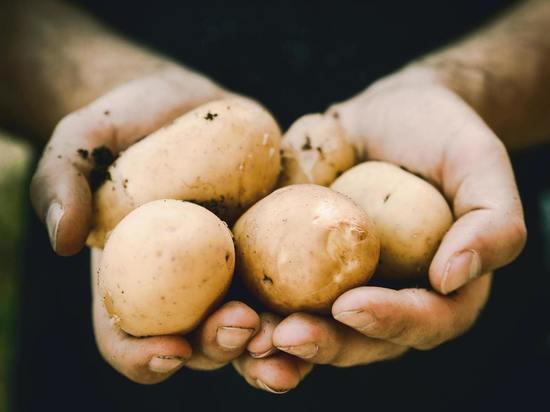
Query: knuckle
x,y
318,332
435,338
518,232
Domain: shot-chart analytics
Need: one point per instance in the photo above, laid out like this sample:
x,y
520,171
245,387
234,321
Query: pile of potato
x,y
169,255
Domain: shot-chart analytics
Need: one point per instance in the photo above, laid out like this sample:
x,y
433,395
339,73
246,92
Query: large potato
x,y
223,155
165,265
410,215
303,246
315,150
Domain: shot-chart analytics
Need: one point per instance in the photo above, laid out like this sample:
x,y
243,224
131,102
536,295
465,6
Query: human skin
x,y
441,117
102,90
460,87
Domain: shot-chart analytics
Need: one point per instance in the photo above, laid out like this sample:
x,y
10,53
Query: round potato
x,y
224,155
410,215
165,265
315,150
302,246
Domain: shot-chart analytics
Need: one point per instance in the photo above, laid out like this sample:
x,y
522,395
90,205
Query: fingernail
x,y
263,354
267,388
305,351
165,363
358,319
461,268
230,337
55,213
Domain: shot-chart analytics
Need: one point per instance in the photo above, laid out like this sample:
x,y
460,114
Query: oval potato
x,y
410,215
165,265
302,246
224,155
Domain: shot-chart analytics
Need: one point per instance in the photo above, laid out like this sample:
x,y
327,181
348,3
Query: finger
x,y
84,144
278,373
324,341
261,345
143,360
224,336
490,230
413,317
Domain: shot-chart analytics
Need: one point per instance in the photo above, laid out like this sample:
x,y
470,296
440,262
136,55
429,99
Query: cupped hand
x,y
222,337
85,142
368,324
411,119
414,121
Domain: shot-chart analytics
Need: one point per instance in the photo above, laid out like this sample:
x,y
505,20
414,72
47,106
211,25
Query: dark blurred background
x,y
296,58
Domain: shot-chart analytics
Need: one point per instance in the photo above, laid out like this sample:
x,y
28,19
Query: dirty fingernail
x,y
305,351
269,389
55,213
165,363
262,354
358,319
230,337
461,268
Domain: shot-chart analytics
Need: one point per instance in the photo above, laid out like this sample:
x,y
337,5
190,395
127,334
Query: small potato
x,y
302,246
315,150
224,155
165,265
410,215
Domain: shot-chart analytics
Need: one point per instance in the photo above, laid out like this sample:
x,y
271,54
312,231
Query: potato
x,y
315,150
302,246
224,155
165,265
410,215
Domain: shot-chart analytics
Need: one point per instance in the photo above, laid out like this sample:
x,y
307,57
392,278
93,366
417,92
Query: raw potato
x,y
411,216
224,155
164,267
315,150
302,246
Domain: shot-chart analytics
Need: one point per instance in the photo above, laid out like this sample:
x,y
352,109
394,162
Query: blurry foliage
x,y
14,163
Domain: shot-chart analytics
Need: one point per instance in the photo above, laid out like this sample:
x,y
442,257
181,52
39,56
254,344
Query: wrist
x,y
61,59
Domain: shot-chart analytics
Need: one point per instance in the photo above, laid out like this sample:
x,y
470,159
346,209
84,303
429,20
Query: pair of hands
x,y
408,118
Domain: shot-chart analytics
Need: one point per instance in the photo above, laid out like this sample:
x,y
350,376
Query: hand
x,y
412,120
370,324
222,337
85,141
62,195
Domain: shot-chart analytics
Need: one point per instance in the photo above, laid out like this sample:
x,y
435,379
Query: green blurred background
x,y
14,170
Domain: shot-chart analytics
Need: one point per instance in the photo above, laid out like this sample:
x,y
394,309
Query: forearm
x,y
503,72
57,59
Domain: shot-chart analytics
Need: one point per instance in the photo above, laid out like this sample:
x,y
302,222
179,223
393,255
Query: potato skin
x,y
315,150
410,215
224,155
165,265
302,246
